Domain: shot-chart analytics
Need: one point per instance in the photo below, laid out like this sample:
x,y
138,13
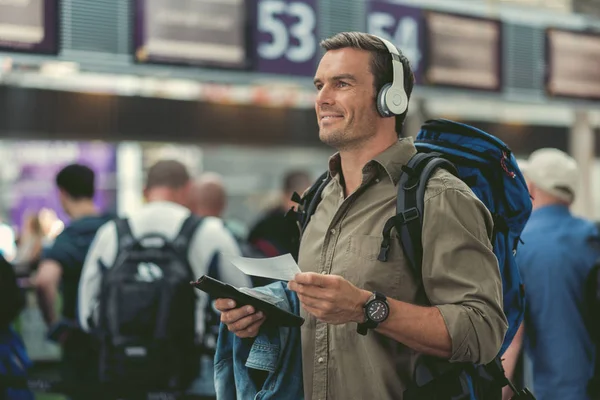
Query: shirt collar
x,y
392,159
388,162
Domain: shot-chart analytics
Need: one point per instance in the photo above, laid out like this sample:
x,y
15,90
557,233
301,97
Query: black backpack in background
x,y
147,326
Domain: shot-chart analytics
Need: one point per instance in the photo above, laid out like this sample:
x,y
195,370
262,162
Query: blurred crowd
x,y
59,261
558,260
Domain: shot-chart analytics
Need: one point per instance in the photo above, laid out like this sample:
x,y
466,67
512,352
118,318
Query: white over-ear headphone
x,y
392,99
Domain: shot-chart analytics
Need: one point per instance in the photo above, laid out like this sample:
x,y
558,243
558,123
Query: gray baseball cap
x,y
553,171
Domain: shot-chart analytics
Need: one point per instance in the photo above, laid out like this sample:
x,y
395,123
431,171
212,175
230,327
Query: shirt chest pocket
x,y
362,267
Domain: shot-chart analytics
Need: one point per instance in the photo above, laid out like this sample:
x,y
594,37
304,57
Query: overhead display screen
x,y
573,62
29,25
202,32
463,51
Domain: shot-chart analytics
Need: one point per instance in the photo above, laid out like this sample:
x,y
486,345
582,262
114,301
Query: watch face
x,y
378,310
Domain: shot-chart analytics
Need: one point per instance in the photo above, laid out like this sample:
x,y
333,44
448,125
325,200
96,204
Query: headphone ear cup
x,y
396,100
381,104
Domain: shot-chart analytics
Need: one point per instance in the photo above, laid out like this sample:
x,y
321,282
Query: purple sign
x,y
206,32
29,25
286,37
38,164
401,25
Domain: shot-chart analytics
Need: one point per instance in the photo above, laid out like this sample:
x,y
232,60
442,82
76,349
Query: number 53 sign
x,y
286,37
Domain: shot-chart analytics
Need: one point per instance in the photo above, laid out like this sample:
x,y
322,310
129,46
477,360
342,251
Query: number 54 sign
x,y
286,37
403,26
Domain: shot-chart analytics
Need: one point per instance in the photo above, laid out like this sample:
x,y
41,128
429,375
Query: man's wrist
x,y
359,315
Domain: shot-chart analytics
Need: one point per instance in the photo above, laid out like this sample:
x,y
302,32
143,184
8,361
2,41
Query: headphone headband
x,y
391,48
393,100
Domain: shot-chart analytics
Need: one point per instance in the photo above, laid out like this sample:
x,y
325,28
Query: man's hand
x,y
330,298
244,321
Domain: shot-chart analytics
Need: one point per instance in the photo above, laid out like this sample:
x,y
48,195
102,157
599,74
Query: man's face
x,y
345,103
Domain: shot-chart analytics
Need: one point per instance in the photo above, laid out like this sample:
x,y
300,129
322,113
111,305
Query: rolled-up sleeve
x,y
460,273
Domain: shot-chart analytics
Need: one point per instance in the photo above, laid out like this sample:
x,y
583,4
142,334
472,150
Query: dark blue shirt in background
x,y
554,261
69,250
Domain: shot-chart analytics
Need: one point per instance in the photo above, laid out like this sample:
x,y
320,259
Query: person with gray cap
x,y
554,261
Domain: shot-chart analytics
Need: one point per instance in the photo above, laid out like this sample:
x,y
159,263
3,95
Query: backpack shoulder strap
x,y
125,237
312,198
187,231
410,200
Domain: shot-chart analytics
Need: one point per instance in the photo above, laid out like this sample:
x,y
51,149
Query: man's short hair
x,y
77,181
167,173
381,62
296,181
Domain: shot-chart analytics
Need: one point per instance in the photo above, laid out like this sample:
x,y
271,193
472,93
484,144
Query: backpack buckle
x,y
409,215
296,198
383,251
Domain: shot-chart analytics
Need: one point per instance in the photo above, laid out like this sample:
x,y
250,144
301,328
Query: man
x,y
167,194
554,262
454,311
208,197
60,267
269,234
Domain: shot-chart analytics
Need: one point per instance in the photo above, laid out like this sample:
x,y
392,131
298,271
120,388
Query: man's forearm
x,y
509,361
46,296
511,355
420,328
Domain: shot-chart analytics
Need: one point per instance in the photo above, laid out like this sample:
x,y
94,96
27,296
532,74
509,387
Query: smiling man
x,y
369,322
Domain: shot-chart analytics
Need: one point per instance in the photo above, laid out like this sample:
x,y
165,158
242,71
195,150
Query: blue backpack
x,y
489,168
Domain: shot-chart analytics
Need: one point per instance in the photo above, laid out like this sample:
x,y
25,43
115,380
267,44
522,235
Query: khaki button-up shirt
x,y
460,277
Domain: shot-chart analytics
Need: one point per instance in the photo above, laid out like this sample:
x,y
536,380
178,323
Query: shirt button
x,y
377,180
332,231
323,272
320,360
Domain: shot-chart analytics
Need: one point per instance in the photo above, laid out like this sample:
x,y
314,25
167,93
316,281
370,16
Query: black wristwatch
x,y
376,311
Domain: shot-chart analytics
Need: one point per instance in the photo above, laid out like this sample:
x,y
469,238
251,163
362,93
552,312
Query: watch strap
x,y
364,327
378,296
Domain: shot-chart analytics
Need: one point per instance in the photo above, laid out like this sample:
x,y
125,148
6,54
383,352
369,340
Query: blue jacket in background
x,y
554,262
69,251
14,361
276,351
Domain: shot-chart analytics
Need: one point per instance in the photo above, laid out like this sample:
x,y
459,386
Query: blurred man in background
x,y
555,261
60,267
208,197
269,234
167,193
